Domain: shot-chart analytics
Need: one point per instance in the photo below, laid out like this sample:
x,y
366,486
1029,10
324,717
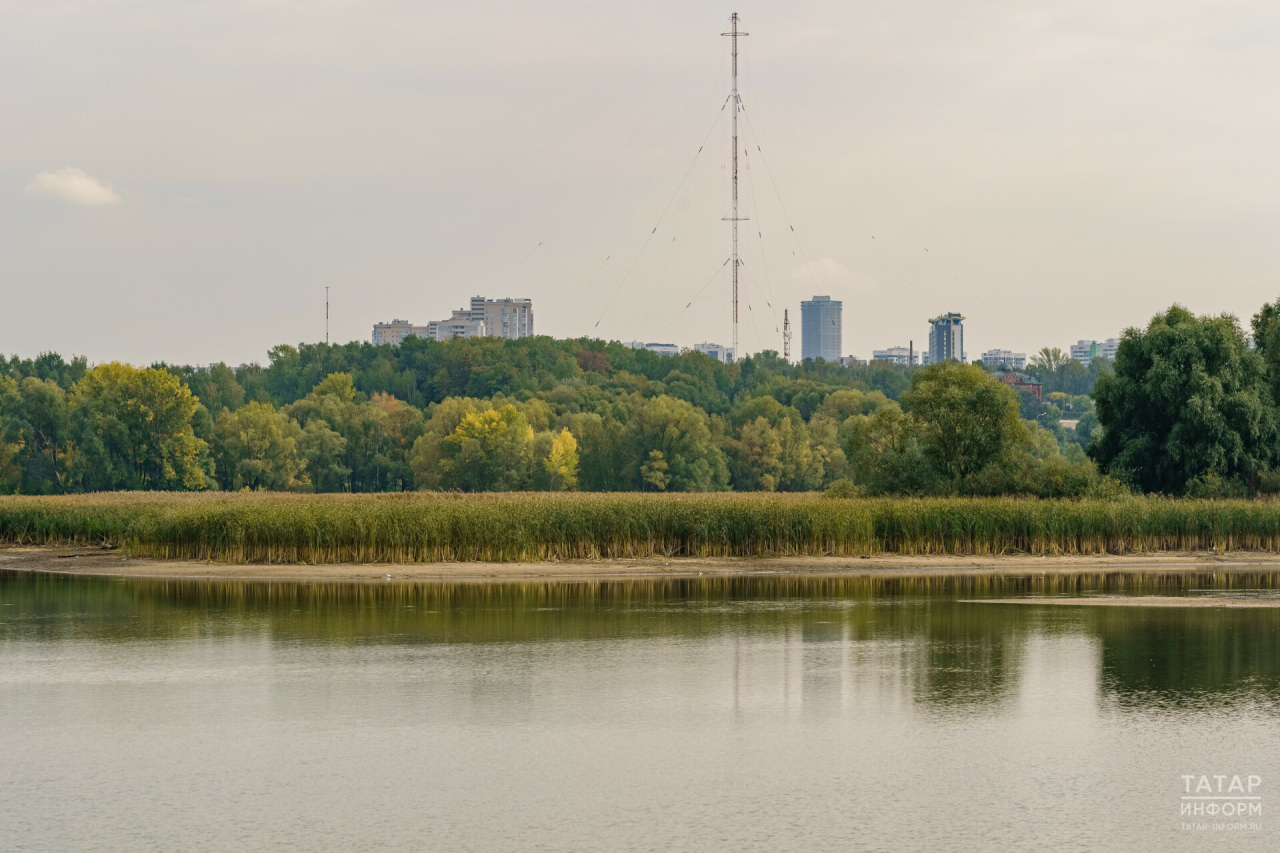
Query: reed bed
x,y
426,527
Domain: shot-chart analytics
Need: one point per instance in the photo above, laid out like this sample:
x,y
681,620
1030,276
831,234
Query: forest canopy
x,y
487,414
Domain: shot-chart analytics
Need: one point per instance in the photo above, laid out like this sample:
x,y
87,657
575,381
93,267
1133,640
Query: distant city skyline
x,y
482,319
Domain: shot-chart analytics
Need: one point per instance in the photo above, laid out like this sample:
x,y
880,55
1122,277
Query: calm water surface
x,y
685,715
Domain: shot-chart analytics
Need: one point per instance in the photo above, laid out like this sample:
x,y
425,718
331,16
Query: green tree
x,y
47,365
828,450
217,389
775,458
378,434
258,449
429,450
134,431
285,377
1187,400
756,457
1059,372
1085,429
10,437
603,451
653,473
1266,340
682,434
1049,360
322,451
967,420
390,433
747,409
848,402
885,454
44,427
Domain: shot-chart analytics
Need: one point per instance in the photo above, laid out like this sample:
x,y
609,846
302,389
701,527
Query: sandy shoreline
x,y
96,561
1135,601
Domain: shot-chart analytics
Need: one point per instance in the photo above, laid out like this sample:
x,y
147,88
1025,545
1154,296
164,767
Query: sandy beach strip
x,y
1135,601
97,561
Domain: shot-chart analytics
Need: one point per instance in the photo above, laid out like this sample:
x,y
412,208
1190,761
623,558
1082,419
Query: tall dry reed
x,y
424,527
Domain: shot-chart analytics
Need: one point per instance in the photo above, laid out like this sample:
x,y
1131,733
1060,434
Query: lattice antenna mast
x,y
326,316
786,335
733,217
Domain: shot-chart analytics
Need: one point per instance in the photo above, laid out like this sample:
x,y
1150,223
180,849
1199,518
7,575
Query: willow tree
x,y
1188,403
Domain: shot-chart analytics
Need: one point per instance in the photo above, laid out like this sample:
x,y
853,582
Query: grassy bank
x,y
275,528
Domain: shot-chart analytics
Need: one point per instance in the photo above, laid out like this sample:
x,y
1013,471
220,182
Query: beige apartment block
x,y
501,318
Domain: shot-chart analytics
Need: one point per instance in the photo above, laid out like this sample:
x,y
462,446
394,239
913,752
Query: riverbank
x,y
1135,601
109,562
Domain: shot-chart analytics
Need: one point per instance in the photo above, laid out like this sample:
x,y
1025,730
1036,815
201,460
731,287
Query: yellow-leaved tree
x,y
490,451
562,462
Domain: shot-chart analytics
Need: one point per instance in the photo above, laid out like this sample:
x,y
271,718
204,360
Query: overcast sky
x,y
180,181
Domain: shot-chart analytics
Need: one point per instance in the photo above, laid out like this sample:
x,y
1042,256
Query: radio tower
x,y
736,103
326,316
786,335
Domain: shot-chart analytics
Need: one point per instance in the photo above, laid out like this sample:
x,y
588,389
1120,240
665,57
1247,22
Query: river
x,y
759,713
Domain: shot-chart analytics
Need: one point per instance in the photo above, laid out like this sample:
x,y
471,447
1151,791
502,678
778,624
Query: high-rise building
x,y
820,334
501,318
946,339
1086,351
660,349
897,355
504,318
720,353
459,326
997,357
392,333
456,327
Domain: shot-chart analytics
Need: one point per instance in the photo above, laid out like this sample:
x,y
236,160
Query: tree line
x,y
537,413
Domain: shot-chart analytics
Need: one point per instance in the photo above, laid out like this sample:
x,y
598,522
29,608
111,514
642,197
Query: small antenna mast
x,y
326,316
737,105
786,335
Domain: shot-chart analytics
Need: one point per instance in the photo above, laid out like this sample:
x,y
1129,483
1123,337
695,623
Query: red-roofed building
x,y
1021,381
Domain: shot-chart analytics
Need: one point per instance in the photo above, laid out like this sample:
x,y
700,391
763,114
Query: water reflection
x,y
1187,656
916,629
821,658
970,656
